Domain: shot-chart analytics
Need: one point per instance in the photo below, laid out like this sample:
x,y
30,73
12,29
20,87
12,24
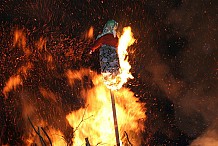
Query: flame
x,y
12,83
16,80
41,44
56,137
125,41
23,70
20,41
90,32
95,120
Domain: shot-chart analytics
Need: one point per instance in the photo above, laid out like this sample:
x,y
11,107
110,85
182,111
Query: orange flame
x,y
95,120
125,41
17,80
12,83
89,33
41,44
20,41
56,136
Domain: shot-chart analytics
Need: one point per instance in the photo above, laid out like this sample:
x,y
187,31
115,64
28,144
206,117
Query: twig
x,y
82,119
127,137
41,138
47,136
87,141
37,132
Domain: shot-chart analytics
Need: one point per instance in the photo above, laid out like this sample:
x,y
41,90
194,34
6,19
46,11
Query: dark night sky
x,y
174,61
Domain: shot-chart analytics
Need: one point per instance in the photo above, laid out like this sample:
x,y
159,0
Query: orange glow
x,y
17,80
24,69
11,84
90,33
20,41
125,41
41,44
95,120
56,136
19,38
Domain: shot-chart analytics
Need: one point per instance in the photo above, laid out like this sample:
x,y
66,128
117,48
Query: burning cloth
x,y
107,41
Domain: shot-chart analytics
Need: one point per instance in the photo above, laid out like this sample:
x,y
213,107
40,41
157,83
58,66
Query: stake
x,y
115,118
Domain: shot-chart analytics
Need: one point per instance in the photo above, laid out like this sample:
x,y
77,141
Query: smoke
x,y
187,70
196,111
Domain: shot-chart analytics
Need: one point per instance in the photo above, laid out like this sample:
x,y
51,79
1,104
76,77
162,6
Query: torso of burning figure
x,y
109,60
108,56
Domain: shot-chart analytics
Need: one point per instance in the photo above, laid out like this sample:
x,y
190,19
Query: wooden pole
x,y
115,118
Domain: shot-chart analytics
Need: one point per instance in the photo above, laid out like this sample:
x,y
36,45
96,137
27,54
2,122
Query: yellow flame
x,y
125,41
95,120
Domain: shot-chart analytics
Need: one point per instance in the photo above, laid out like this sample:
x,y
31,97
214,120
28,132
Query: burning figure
x,y
97,123
109,61
107,41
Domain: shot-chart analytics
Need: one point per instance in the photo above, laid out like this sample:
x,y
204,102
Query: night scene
x,y
108,73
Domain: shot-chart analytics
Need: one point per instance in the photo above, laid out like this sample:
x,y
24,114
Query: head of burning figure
x,y
109,27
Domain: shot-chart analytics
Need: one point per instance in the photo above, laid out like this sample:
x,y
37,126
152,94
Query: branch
x,y
82,119
37,132
128,138
87,141
41,138
47,136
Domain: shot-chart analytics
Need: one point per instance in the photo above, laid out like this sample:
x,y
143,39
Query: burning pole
x,y
115,118
114,61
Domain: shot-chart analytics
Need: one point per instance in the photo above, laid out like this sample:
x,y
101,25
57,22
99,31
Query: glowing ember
x,y
95,120
125,41
90,32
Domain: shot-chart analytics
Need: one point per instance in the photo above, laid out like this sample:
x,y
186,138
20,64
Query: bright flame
x,y
125,41
95,120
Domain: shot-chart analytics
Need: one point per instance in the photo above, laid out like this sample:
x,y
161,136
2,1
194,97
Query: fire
x,y
55,137
90,32
12,83
20,41
125,41
94,122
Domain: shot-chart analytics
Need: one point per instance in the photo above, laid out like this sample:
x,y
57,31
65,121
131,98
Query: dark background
x,y
174,62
